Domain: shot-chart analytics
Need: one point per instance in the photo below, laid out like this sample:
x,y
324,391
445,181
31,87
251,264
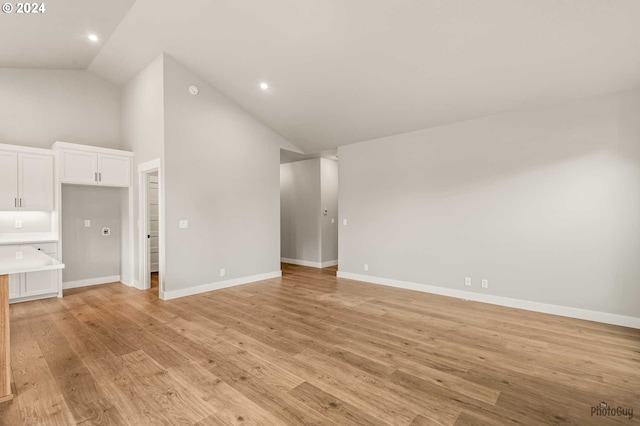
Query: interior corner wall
x,y
142,133
39,107
222,175
543,203
329,197
300,211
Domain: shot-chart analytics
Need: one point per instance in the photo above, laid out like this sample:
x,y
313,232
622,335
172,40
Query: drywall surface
x,y
222,176
86,253
142,133
31,222
300,211
39,107
543,203
329,202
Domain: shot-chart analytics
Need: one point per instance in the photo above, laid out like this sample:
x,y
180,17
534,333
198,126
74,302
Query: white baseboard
x,y
174,294
91,281
309,263
564,311
137,284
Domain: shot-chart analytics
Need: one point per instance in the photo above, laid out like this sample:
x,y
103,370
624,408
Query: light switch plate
x,y
467,281
333,220
344,222
87,223
485,283
222,272
184,224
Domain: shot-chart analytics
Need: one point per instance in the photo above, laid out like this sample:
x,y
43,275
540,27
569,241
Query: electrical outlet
x,y
366,266
344,222
467,281
485,283
333,220
106,232
222,272
184,224
18,224
87,223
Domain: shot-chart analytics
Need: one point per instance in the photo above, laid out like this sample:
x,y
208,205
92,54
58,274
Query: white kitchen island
x,y
15,260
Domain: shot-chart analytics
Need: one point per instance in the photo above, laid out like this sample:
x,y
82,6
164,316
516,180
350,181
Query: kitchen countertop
x,y
26,238
15,260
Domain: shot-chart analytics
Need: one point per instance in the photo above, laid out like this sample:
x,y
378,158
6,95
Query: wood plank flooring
x,y
311,349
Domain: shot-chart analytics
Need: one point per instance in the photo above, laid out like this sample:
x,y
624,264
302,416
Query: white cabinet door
x,y
8,180
114,170
14,286
78,167
35,182
37,283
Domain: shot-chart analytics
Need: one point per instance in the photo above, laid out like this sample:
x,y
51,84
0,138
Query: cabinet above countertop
x,y
89,165
26,179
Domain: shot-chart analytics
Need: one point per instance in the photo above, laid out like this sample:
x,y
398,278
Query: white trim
x,y
564,311
308,262
25,149
91,281
143,281
174,294
100,150
32,298
149,166
301,262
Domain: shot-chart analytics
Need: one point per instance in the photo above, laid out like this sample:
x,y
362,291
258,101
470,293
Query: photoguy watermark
x,y
604,410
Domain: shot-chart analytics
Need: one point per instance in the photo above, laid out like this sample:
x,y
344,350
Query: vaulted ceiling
x,y
343,71
56,37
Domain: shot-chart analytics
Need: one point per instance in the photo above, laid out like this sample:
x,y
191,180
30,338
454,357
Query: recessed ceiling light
x,y
93,37
264,86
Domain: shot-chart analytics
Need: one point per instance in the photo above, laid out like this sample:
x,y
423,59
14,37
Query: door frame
x,y
144,259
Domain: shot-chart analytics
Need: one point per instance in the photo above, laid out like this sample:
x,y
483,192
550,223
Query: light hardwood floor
x,y
311,349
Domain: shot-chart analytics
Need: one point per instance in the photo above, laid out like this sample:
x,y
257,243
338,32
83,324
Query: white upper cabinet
x,y
78,167
86,165
26,181
8,180
114,170
35,182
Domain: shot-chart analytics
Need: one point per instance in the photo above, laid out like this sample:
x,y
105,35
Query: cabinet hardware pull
x,y
99,176
20,202
15,202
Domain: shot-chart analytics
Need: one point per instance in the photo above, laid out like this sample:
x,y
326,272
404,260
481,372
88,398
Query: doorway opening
x,y
153,235
309,211
151,239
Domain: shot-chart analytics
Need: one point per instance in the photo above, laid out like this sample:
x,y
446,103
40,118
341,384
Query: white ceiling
x,y
287,156
57,38
346,71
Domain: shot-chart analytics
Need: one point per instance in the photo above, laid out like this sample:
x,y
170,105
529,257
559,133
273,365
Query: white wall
x,y
544,203
300,211
86,252
39,107
31,222
142,133
222,175
329,189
